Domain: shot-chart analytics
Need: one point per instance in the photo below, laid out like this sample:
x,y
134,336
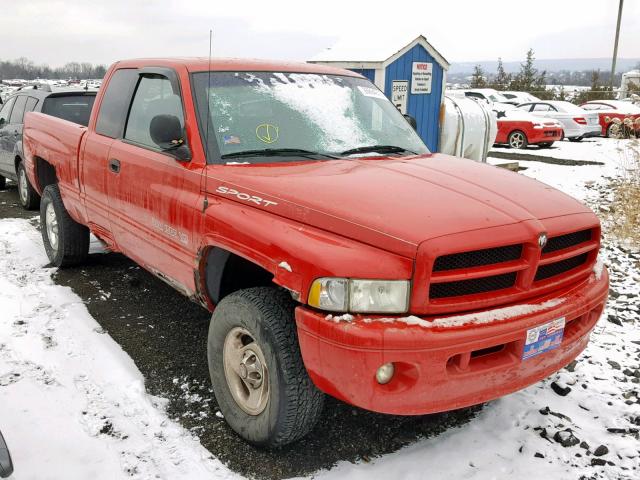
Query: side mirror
x,y
167,132
411,120
6,466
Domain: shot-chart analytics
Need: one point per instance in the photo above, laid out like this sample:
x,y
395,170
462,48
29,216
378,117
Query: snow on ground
x,y
72,403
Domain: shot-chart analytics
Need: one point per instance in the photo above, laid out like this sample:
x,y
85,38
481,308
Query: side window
x,y
31,104
525,106
154,96
18,109
541,107
6,110
113,110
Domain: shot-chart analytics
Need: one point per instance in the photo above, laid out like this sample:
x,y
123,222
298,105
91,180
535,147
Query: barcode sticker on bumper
x,y
543,338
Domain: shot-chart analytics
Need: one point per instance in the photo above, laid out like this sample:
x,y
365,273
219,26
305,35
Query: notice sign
x,y
399,91
421,73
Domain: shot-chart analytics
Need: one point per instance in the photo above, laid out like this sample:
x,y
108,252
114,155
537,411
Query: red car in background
x,y
518,128
610,110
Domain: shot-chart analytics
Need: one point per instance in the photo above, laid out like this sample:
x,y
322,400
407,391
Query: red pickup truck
x,y
337,254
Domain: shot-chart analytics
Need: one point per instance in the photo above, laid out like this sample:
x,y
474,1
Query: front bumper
x,y
440,369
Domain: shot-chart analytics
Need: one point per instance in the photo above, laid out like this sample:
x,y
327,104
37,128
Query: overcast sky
x,y
102,31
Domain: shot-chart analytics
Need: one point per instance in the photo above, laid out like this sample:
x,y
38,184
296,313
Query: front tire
x,y
518,139
258,377
65,240
29,198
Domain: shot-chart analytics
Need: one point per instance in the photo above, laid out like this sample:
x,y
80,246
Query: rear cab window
x,y
74,108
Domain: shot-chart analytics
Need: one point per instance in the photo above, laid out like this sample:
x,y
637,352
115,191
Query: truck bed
x,y
58,141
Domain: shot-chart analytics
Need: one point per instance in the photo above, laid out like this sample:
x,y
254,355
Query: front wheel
x,y
518,139
29,198
65,240
258,377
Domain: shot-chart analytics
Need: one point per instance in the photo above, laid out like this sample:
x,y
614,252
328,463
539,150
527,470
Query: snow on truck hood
x,y
393,203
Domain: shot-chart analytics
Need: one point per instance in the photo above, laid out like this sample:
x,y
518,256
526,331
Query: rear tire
x,y
65,240
518,139
258,377
29,198
614,130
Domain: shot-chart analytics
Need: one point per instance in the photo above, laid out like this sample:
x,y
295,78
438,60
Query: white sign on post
x,y
399,91
421,73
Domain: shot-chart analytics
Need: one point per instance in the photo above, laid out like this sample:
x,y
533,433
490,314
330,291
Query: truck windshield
x,y
273,117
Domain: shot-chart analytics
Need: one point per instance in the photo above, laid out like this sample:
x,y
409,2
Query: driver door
x,y
156,210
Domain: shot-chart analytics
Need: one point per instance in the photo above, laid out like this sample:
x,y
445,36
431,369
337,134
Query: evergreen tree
x,y
478,79
503,78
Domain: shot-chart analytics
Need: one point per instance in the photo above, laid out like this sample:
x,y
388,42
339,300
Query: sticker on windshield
x,y
267,133
231,140
371,92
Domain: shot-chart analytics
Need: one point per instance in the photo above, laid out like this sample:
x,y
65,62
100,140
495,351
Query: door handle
x,y
114,165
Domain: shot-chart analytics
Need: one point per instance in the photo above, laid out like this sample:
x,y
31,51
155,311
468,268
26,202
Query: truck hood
x,y
392,203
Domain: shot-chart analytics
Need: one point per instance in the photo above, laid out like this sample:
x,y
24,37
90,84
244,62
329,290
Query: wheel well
x,y
226,273
45,173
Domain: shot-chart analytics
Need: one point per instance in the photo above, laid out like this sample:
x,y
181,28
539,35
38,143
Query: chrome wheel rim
x,y
517,140
22,185
51,224
245,370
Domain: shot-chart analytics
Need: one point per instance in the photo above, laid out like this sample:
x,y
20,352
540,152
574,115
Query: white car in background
x,y
489,95
577,123
519,97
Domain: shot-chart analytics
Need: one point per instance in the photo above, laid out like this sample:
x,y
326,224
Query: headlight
x,y
360,296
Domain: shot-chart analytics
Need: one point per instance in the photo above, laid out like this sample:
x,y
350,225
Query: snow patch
x,y
598,267
479,318
347,317
60,378
285,266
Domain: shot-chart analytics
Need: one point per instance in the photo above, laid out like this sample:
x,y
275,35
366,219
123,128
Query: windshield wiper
x,y
378,149
276,152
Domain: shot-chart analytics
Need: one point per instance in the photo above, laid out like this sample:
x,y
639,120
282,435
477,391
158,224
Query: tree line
x,y
529,79
23,68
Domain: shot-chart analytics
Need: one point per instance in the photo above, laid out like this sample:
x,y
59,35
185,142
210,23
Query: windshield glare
x,y
327,114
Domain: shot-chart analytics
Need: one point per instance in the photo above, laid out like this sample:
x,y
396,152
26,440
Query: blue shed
x,y
412,77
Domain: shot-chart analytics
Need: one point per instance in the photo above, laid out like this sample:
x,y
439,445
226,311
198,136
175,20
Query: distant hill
x,y
554,65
